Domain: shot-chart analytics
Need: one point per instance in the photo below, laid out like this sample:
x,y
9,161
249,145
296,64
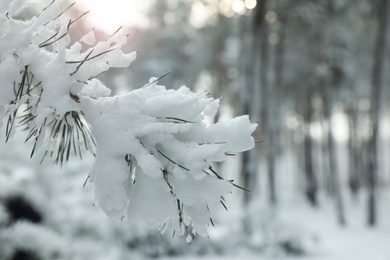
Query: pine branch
x,y
48,41
66,134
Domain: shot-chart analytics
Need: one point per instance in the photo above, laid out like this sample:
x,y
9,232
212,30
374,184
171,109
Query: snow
x,y
94,89
75,229
355,241
170,151
89,38
154,166
8,71
319,234
58,67
154,149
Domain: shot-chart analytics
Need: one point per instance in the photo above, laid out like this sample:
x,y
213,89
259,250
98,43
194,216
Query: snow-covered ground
x,y
293,222
72,222
73,227
321,237
330,241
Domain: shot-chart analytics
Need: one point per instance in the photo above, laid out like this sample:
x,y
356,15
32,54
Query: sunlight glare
x,y
202,13
316,131
225,8
109,15
340,126
238,6
198,14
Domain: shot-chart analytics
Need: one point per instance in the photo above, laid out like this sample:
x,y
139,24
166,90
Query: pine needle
x,y
85,182
172,161
156,80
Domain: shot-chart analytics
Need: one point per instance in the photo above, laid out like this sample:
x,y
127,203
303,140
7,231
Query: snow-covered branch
x,y
154,150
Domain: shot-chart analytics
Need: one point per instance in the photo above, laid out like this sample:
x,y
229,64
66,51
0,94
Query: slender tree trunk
x,y
248,170
324,145
299,139
311,181
248,64
217,65
273,87
271,139
333,167
271,117
261,32
353,178
268,120
334,39
377,75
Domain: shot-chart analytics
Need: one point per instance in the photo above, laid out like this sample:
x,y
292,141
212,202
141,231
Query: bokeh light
x,y
250,4
271,16
238,6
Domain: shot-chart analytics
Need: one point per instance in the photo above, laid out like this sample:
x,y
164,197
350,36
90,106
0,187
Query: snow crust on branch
x,y
153,162
42,76
39,49
154,149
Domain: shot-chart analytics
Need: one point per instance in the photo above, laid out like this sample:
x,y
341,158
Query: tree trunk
x,y
311,181
217,65
267,89
324,145
250,96
273,94
377,75
261,34
271,141
354,173
333,168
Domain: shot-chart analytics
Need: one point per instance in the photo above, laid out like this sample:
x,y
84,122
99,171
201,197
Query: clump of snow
x,y
155,154
94,89
89,38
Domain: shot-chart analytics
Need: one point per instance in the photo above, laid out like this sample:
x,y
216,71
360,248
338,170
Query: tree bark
x,y
354,171
377,75
311,181
250,96
333,167
324,145
261,39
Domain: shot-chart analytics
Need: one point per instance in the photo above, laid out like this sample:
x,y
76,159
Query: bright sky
x,y
109,15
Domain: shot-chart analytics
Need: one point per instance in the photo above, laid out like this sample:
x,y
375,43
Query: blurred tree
x,y
250,95
377,83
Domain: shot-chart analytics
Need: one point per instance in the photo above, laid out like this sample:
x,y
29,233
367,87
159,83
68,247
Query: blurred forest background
x,y
314,74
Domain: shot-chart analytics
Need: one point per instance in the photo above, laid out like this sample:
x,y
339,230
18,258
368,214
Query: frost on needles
x,y
154,150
